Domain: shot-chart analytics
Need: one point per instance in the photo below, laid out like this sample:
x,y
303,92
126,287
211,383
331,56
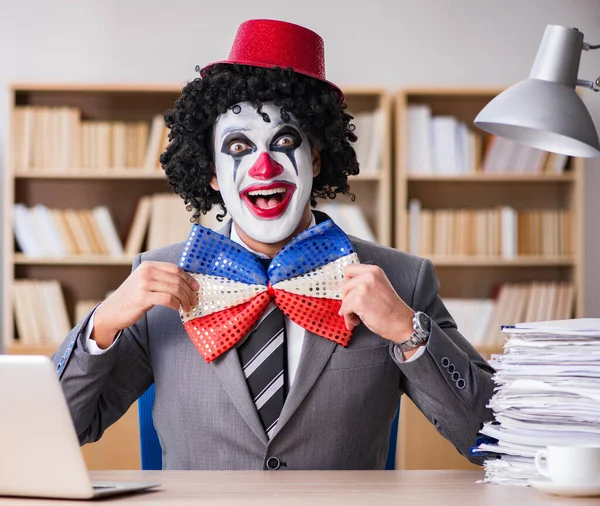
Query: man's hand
x,y
151,284
368,296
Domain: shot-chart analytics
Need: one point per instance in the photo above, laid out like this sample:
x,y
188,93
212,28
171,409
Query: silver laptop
x,y
39,449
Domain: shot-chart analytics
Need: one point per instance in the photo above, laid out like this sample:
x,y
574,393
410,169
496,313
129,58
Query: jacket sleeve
x,y
100,388
450,382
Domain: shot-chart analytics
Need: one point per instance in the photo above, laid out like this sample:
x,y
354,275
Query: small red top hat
x,y
270,43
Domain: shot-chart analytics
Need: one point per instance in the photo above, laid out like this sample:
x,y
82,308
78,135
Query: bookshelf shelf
x,y
493,178
100,260
367,176
51,175
465,213
44,349
108,173
69,183
474,261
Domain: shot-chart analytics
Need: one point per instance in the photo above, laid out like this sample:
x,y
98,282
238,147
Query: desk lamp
x,y
544,111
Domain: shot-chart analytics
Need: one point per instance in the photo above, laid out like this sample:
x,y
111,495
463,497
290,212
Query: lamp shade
x,y
544,111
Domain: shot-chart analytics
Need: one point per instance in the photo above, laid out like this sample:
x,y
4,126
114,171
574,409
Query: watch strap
x,y
419,336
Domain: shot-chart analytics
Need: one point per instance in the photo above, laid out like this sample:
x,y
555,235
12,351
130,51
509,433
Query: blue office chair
x,y
152,453
149,443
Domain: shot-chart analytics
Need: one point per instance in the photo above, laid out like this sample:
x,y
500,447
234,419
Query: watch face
x,y
424,322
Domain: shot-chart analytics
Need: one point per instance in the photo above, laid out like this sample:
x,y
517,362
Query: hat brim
x,y
203,71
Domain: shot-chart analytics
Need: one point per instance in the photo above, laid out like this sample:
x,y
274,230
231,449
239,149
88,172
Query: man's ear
x,y
316,161
214,184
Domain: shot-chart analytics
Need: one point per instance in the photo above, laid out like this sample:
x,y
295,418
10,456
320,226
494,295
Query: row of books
x,y
480,320
440,144
370,131
444,145
350,218
40,312
163,219
55,139
44,232
496,232
503,156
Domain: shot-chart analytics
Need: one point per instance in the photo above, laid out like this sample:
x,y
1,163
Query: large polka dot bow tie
x,y
304,280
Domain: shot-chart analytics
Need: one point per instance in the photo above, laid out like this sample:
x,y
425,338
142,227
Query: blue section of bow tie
x,y
207,252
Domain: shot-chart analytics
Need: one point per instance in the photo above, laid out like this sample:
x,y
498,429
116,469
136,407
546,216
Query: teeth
x,y
272,191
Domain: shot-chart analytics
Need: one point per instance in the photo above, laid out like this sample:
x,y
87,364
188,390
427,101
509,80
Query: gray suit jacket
x,y
340,407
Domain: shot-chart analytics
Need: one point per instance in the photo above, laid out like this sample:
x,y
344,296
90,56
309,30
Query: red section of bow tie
x,y
317,315
216,333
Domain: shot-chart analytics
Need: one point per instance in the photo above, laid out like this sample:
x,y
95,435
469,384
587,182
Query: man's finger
x,y
352,270
173,270
351,283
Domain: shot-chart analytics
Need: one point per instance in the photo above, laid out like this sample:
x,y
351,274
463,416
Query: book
x,y
107,230
419,139
414,216
444,145
139,226
350,218
154,143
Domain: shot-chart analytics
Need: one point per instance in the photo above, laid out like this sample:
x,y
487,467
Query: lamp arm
x,y
592,85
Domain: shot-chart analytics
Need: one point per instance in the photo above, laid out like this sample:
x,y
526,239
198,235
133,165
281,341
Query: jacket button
x,y
445,362
273,463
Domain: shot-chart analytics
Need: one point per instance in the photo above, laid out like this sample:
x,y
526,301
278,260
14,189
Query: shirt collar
x,y
234,236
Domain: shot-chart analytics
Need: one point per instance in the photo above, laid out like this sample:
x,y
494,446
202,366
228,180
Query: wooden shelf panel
x,y
367,176
474,261
100,260
107,173
492,178
43,349
99,87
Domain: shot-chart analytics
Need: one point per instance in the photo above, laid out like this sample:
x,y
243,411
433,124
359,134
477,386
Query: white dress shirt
x,y
294,333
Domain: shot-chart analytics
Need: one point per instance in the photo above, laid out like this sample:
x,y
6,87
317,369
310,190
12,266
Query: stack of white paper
x,y
548,393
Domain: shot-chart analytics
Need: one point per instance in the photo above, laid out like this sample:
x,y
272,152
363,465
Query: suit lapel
x,y
229,371
315,354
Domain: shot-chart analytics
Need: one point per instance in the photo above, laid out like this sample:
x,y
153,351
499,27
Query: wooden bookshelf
x,y
484,261
108,173
492,178
373,186
420,446
90,277
101,260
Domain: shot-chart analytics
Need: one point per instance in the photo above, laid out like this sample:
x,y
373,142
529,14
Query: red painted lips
x,y
268,201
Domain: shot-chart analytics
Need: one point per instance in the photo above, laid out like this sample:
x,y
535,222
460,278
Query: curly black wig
x,y
317,107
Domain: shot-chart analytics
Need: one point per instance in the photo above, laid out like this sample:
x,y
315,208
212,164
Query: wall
x,y
391,43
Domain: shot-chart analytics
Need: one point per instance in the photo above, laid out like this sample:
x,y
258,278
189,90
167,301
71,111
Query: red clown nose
x,y
265,168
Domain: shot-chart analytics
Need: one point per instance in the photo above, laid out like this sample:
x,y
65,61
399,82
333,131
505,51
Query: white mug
x,y
570,465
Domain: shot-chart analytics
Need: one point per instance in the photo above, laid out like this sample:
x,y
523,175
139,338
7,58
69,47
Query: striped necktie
x,y
263,357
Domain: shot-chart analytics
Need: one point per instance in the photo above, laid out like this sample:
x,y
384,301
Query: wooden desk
x,y
414,488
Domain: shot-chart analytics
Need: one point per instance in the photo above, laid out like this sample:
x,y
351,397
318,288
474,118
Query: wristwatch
x,y
421,332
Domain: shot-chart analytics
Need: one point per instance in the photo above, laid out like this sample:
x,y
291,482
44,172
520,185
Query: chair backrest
x,y
390,464
152,452
149,443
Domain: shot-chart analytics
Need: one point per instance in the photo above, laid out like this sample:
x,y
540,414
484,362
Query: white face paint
x,y
264,171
